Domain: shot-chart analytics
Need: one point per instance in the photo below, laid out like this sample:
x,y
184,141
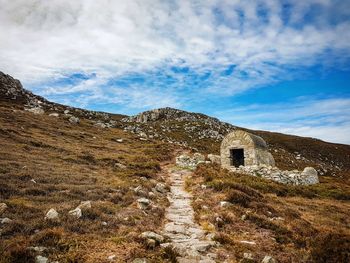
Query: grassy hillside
x,y
289,223
47,162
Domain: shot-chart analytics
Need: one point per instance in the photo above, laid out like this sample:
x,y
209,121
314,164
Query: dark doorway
x,y
237,157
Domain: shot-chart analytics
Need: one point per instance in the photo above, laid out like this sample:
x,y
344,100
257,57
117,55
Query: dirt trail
x,y
187,237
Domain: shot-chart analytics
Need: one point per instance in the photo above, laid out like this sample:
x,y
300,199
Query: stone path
x,y
187,237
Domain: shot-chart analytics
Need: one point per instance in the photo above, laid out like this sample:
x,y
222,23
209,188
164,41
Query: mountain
x,y
85,186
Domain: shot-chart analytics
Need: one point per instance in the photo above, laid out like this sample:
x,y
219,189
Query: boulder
x,y
3,207
51,214
75,212
309,176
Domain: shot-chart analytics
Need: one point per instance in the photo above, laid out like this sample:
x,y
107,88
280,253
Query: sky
x,y
277,65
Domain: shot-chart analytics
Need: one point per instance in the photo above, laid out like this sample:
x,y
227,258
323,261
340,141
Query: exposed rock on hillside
x,y
12,90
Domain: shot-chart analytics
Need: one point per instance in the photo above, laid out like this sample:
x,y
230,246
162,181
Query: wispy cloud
x,y
327,119
139,54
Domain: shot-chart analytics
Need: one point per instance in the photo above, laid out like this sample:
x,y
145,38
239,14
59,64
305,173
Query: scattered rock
x,y
3,207
152,235
41,259
143,203
74,120
5,220
294,177
119,140
186,161
75,212
51,214
268,259
54,114
33,181
36,110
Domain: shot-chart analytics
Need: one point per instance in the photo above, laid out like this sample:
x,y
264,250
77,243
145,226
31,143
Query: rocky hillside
x,y
11,90
203,133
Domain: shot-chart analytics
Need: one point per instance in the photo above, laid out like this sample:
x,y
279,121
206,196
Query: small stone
x,y
74,120
161,188
152,235
75,212
143,203
54,114
225,204
111,257
248,255
51,214
66,112
243,217
140,260
120,140
41,259
3,207
104,223
33,181
5,220
85,205
268,259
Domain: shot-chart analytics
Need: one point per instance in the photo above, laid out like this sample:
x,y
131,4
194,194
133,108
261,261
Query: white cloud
x,y
327,119
42,41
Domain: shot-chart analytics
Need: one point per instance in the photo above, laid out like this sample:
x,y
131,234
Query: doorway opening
x,y
237,157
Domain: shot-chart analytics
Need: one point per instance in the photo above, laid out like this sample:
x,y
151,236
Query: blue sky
x,y
277,65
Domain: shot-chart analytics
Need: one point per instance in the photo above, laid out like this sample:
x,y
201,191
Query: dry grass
x,y
72,163
290,223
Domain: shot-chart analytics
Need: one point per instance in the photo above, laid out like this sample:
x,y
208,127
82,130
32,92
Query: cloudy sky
x,y
279,65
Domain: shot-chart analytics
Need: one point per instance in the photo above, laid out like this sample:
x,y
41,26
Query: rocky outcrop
x,y
307,177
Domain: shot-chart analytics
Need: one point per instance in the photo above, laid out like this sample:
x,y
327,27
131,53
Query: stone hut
x,y
246,149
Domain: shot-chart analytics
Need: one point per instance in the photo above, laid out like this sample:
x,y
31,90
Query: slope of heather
x,y
48,162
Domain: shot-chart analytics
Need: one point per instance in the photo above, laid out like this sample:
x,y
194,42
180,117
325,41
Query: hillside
x,y
56,157
203,133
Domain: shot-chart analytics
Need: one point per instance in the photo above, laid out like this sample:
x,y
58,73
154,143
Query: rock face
x,y
190,162
253,150
307,177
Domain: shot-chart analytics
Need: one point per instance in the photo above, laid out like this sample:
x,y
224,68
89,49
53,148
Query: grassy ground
x,y
71,163
290,223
